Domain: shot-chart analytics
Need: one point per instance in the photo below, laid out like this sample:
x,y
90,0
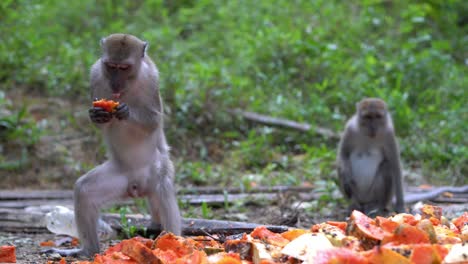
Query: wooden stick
x,y
433,193
14,220
191,226
285,123
22,194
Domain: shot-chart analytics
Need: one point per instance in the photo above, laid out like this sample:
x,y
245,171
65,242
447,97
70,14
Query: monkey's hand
x,y
99,115
122,111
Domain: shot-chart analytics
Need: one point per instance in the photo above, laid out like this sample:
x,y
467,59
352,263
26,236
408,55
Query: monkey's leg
x,y
162,198
101,185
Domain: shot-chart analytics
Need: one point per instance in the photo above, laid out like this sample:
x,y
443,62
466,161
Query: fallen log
x,y
195,196
14,220
22,194
190,226
434,193
285,123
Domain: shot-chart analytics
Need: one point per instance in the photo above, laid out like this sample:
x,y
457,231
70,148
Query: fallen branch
x,y
281,122
234,190
14,220
433,193
191,226
22,194
18,199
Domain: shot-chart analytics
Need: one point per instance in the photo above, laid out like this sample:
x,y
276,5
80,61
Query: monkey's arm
x,y
147,114
393,156
344,165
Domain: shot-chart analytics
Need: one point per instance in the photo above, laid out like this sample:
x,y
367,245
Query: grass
x,y
308,61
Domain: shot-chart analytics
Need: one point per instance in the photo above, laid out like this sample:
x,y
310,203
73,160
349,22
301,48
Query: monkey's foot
x,y
72,252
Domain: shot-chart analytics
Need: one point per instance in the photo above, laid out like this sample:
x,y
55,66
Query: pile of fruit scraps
x,y
403,238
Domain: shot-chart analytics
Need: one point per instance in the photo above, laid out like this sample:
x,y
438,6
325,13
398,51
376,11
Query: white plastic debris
x,y
61,220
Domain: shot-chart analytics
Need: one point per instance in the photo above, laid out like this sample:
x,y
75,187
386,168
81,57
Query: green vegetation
x,y
308,61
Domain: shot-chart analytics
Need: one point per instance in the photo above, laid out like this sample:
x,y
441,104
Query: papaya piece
x,y
108,105
104,259
440,250
229,260
225,258
293,233
429,211
149,243
351,242
243,247
207,244
333,233
139,252
457,254
338,255
195,257
166,256
262,233
461,221
405,218
202,242
366,230
446,236
464,233
386,224
406,234
48,243
8,254
423,253
427,253
179,245
433,213
428,227
341,225
112,249
120,256
380,255
265,253
306,246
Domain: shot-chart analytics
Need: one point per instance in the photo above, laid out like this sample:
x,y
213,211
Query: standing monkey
x,y
369,161
139,163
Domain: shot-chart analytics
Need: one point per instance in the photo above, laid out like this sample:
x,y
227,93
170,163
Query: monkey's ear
x,y
145,46
102,41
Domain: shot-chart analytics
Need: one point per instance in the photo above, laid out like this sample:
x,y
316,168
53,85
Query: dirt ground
x,y
28,249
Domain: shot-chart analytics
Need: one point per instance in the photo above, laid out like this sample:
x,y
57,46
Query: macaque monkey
x,y
369,161
139,164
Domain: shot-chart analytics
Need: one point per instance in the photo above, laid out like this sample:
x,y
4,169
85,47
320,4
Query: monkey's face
x,y
121,59
372,116
372,122
118,74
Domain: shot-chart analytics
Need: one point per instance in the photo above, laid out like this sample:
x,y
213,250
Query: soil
x,y
28,249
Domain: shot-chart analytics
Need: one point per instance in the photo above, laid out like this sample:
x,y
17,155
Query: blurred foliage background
x,y
308,61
